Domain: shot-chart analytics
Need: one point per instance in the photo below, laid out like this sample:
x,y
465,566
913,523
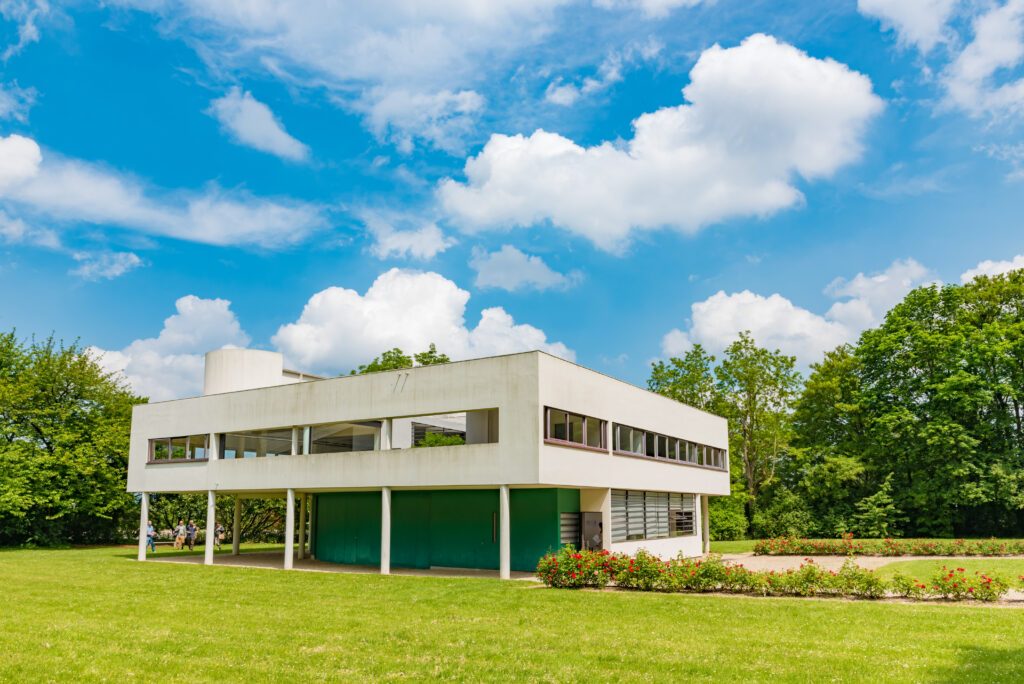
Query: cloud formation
x,y
921,23
340,328
777,323
72,190
104,265
988,267
972,79
251,123
171,365
687,166
511,269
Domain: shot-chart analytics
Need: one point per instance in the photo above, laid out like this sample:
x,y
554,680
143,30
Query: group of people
x,y
184,534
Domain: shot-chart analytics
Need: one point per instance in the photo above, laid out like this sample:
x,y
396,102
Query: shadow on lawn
x,y
985,664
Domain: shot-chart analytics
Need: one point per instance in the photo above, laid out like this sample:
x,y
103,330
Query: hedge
x,y
569,568
848,546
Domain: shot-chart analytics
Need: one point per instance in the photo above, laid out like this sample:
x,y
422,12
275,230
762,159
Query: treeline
x,y
916,430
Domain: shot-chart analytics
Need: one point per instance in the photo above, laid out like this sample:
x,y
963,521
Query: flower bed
x,y
848,546
569,568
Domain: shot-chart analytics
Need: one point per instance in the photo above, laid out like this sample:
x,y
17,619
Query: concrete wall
x,y
570,387
230,370
518,386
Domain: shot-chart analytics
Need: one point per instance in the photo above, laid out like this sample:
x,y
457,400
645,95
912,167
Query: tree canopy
x,y
396,359
64,430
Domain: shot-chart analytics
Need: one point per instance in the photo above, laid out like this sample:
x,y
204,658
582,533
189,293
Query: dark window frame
x,y
167,441
602,430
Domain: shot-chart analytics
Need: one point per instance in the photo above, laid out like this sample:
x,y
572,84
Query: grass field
x,y
96,614
1010,569
738,546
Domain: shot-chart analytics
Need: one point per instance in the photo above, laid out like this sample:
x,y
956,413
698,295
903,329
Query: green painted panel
x,y
410,529
535,522
462,528
348,528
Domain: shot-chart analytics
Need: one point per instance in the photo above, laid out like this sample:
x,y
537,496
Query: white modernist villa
x,y
553,453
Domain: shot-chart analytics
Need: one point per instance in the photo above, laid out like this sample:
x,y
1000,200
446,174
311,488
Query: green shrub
x,y
848,546
572,569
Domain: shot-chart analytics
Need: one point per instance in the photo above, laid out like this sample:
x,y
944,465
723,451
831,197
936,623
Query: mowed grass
x,y
1010,569
737,546
96,614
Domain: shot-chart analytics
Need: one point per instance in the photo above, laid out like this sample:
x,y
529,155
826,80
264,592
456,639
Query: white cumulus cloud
x,y
78,191
973,82
170,365
251,123
403,235
921,23
340,328
989,267
511,269
777,323
757,117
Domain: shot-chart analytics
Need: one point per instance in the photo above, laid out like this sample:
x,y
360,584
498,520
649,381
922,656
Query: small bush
x,y
572,569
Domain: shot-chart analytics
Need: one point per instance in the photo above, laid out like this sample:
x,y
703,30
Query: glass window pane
x,y
197,446
595,432
575,428
649,443
637,441
178,447
159,450
556,424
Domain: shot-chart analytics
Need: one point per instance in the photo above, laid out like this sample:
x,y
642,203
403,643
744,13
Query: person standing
x,y
179,535
190,535
218,535
150,536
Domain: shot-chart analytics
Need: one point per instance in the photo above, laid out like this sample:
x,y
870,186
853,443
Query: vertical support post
x,y
302,526
504,536
296,440
385,530
289,531
307,439
705,524
212,447
143,524
236,527
211,526
385,434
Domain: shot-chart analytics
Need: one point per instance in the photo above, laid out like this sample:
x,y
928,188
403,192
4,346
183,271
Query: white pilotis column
x,y
385,434
143,524
705,524
289,531
302,526
504,535
385,530
211,526
236,527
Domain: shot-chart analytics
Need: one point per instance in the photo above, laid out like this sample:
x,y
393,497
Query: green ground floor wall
x,y
440,528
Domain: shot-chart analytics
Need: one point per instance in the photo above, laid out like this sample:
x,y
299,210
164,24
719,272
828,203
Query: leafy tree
x,y
64,430
392,359
727,517
690,379
396,359
431,357
784,515
877,515
756,389
436,439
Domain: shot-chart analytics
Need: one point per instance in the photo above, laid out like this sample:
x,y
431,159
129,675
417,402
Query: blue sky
x,y
330,180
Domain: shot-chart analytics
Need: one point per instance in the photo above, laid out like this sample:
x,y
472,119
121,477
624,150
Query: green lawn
x,y
738,546
96,614
1010,569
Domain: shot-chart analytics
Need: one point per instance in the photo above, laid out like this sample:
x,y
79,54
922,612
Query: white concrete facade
x,y
504,400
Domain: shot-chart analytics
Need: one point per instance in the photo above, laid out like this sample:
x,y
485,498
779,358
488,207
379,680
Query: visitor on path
x,y
179,535
218,536
150,536
190,534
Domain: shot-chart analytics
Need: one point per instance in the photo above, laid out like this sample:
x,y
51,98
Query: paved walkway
x,y
273,560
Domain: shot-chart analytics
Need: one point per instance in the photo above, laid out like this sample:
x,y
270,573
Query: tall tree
x,y
756,389
690,379
64,430
431,357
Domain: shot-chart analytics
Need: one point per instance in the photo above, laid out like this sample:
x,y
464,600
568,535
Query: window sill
x,y
168,461
574,445
658,459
